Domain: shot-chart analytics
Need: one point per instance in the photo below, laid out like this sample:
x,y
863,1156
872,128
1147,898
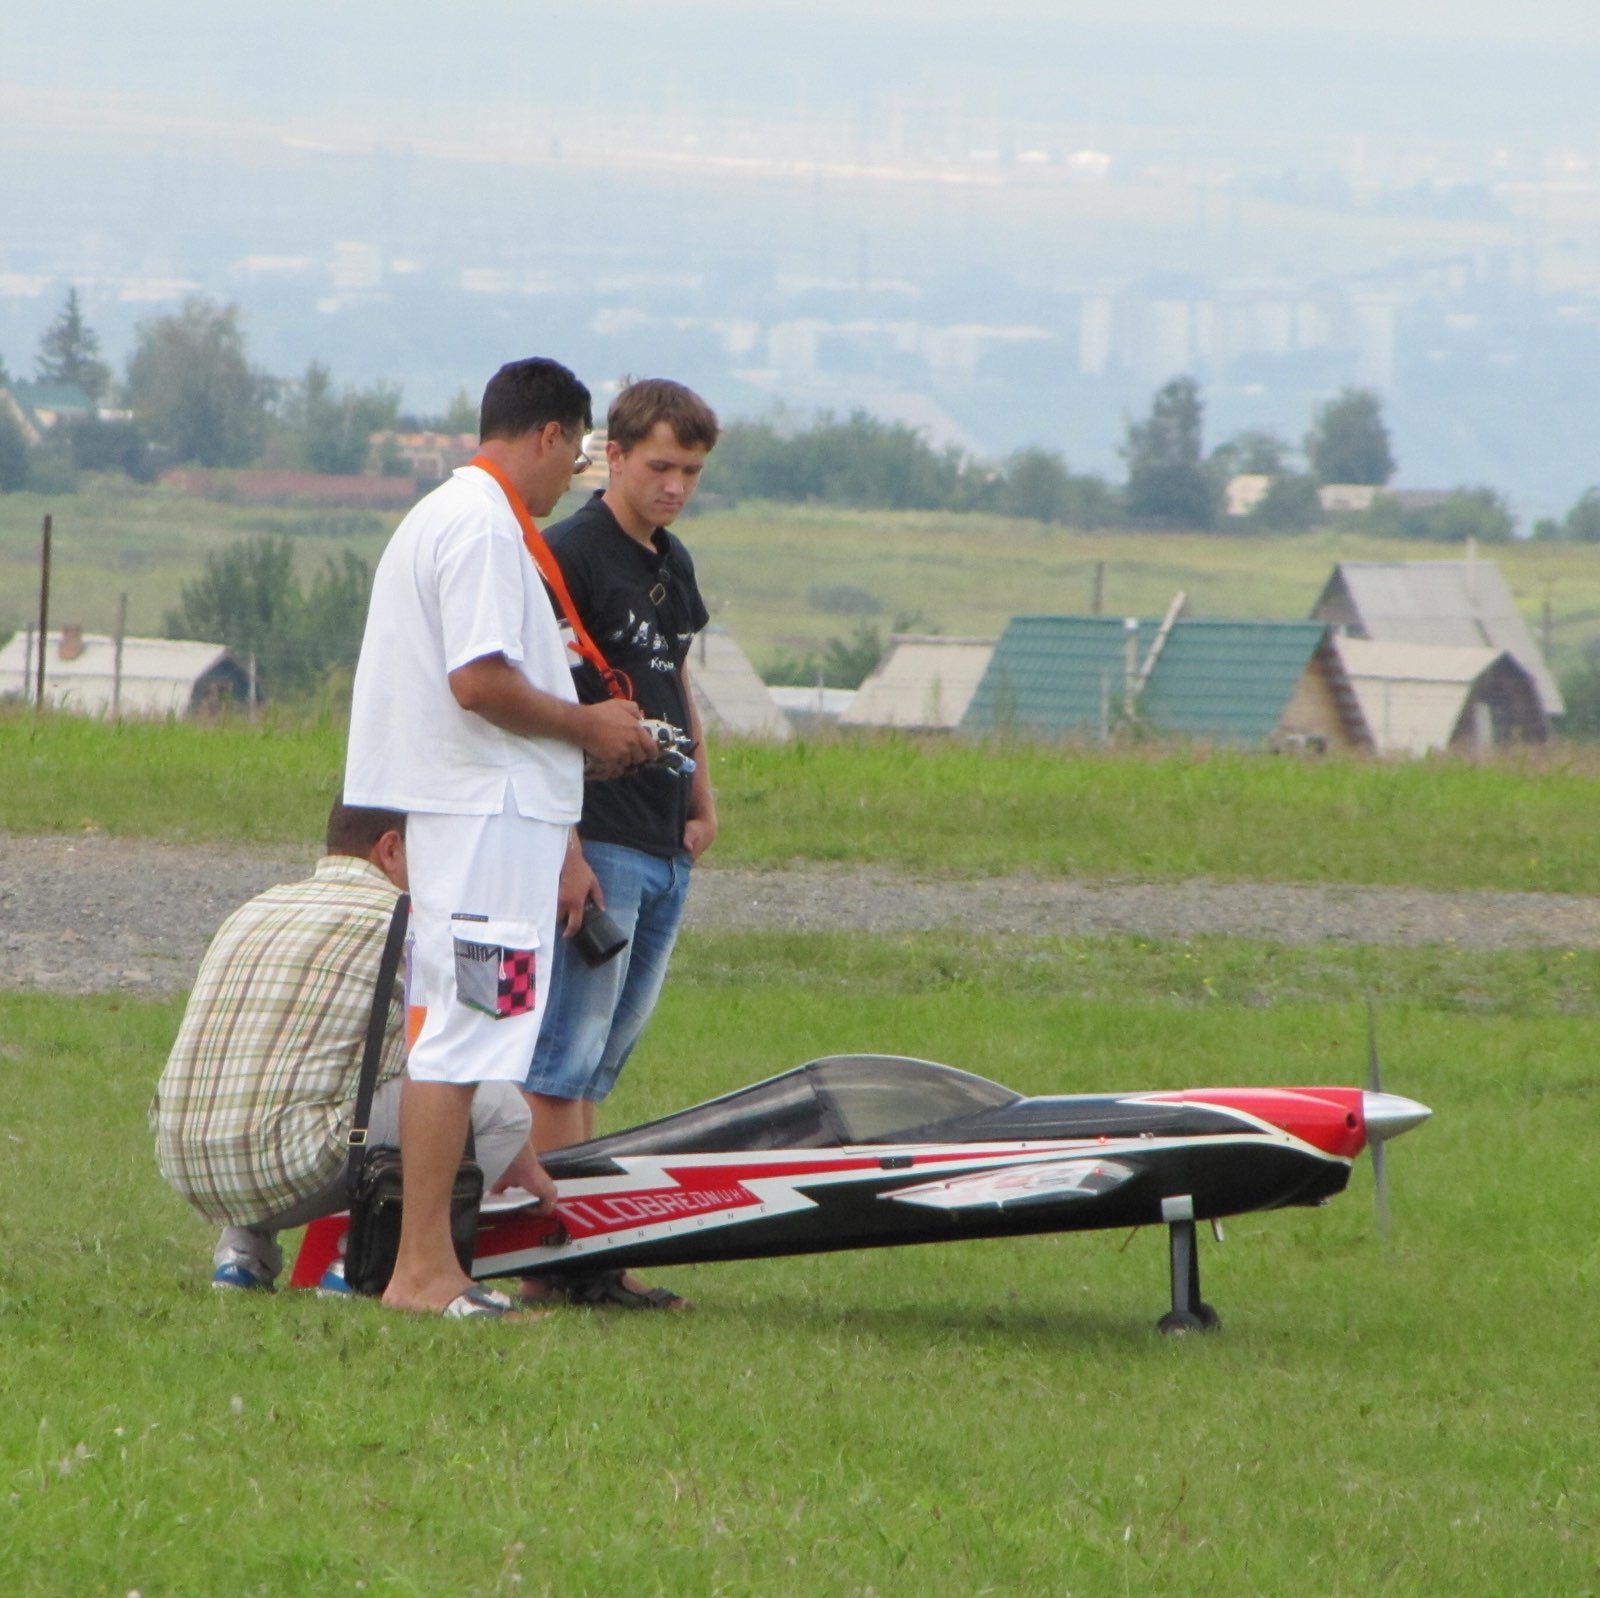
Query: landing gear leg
x,y
1189,1312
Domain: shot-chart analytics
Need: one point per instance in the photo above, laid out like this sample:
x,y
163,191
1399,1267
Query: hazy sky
x,y
396,62
159,145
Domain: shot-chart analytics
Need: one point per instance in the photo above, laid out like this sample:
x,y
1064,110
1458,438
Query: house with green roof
x,y
1245,683
45,404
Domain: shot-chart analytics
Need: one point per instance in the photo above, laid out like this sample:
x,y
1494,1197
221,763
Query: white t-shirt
x,y
455,584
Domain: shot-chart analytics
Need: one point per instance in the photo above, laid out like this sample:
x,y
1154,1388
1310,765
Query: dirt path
x,y
83,914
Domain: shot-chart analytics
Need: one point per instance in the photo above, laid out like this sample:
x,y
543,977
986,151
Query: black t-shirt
x,y
643,608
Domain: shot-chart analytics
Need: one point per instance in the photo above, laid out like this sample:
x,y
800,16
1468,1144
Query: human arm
x,y
579,884
610,732
700,830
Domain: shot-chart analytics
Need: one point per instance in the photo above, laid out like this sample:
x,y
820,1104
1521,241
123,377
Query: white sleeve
x,y
481,571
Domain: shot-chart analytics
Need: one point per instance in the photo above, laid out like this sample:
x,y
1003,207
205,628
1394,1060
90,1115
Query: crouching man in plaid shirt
x,y
253,1110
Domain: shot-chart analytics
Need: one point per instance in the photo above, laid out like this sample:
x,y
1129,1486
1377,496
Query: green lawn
x,y
927,805
1414,1418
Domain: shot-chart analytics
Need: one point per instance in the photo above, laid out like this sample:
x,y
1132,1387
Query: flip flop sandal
x,y
477,1304
607,1290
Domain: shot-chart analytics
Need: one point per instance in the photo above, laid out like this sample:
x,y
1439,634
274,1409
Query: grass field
x,y
762,566
1413,1417
1410,1418
924,804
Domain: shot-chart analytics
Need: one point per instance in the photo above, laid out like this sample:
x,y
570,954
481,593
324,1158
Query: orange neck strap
x,y
616,682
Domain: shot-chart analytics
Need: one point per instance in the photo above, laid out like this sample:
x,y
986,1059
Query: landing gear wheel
x,y
1179,1323
1209,1320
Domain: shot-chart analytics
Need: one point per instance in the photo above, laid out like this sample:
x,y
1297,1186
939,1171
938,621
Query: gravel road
x,y
84,914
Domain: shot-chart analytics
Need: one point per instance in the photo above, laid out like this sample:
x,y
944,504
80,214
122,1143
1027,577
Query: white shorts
x,y
483,892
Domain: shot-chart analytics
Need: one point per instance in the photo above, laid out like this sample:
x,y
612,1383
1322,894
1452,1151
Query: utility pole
x,y
116,665
44,612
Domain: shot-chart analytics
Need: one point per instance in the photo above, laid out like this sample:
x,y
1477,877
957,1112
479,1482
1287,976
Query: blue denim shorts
x,y
595,1014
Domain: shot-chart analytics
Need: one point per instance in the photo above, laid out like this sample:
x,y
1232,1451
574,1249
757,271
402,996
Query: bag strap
x,y
377,1025
617,684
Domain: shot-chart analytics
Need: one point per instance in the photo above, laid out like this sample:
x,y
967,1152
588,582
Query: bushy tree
x,y
334,613
335,429
865,461
244,597
1290,505
69,352
461,415
1348,442
1580,690
249,598
1035,483
1582,523
1253,452
193,389
1480,513
841,663
1168,483
859,461
99,445
754,460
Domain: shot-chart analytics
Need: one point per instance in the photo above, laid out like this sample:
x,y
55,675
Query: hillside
x,y
785,578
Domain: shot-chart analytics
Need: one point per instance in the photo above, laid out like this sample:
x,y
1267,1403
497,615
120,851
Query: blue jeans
x,y
595,1014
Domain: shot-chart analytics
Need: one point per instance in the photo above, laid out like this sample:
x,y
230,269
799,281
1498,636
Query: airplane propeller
x,y
1386,1115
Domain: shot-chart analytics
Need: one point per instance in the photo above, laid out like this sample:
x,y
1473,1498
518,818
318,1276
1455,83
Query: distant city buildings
x,y
1033,283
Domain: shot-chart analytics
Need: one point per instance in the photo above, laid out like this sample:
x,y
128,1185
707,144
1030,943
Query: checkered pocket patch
x,y
497,965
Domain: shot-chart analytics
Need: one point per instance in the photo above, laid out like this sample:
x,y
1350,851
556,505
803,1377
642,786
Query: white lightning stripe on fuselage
x,y
778,1192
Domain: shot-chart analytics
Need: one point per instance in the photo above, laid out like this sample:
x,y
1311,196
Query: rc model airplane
x,y
866,1151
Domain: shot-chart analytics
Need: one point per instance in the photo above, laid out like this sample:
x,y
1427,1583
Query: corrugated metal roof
x,y
922,682
730,696
65,399
1464,603
1065,675
1056,675
1228,680
158,674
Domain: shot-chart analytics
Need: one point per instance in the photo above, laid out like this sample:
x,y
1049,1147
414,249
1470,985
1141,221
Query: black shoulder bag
x,y
375,1185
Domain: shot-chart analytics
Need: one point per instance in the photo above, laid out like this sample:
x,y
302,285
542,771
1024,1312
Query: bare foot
x,y
425,1295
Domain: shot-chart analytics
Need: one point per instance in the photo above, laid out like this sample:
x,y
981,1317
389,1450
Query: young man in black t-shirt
x,y
633,586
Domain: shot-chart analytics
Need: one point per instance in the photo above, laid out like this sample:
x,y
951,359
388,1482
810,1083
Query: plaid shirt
x,y
253,1108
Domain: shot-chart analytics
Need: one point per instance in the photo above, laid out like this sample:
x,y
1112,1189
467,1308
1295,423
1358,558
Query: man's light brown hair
x,y
640,406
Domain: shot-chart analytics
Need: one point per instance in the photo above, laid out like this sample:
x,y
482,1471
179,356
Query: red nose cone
x,y
1327,1118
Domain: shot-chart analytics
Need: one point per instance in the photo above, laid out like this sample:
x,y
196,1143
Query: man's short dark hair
x,y
524,395
354,829
640,406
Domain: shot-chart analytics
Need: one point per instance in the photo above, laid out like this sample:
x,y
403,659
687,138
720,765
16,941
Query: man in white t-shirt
x,y
464,717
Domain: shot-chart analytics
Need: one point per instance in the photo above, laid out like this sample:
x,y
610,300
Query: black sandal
x,y
607,1290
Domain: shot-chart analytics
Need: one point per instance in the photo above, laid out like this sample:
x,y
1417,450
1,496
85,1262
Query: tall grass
x,y
985,1418
232,781
984,808
924,805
